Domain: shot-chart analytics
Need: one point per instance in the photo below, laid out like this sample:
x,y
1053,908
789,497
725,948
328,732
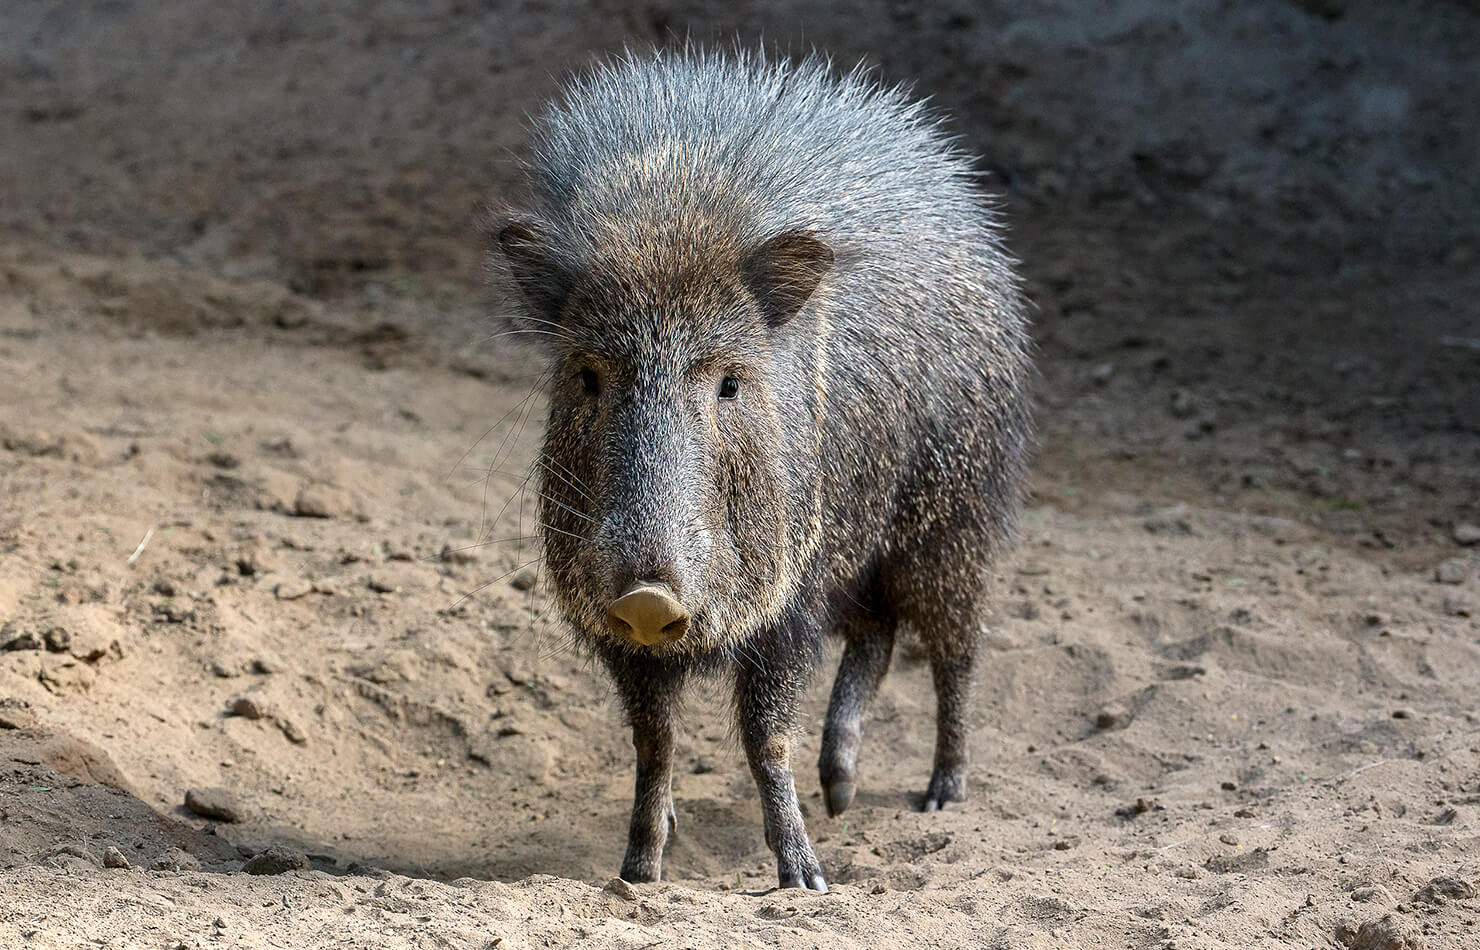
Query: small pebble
x,y
1230,840
620,888
319,501
1372,894
524,580
18,641
290,729
1456,570
1111,716
58,639
225,669
247,707
16,714
113,858
1466,533
175,859
276,860
219,804
294,589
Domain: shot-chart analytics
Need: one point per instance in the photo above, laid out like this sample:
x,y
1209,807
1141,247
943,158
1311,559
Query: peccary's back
x,y
923,345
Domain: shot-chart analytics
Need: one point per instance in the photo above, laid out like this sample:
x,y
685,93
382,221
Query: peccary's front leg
x,y
767,689
650,693
653,816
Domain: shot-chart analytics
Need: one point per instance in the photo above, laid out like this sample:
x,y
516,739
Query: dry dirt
x,y
259,462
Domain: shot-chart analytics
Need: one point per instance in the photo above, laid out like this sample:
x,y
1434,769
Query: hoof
x,y
945,787
838,796
800,868
812,881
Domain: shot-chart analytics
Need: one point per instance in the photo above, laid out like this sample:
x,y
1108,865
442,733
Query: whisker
x,y
560,504
479,544
568,474
496,336
494,466
486,584
549,527
523,485
573,484
539,381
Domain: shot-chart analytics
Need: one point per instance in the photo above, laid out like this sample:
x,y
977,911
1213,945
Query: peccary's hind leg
x,y
953,656
650,692
870,641
767,689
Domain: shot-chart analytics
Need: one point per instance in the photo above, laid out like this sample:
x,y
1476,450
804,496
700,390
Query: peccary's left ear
x,y
785,271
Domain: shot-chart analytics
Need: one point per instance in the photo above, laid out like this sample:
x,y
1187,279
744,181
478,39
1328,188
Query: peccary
x,y
787,361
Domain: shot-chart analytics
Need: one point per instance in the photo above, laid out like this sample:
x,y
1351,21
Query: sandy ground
x,y
259,465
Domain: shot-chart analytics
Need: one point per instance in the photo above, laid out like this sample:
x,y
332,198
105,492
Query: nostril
x,y
648,613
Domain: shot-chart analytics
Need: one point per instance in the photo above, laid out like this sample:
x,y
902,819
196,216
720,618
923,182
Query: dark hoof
x,y
813,882
838,796
803,871
945,787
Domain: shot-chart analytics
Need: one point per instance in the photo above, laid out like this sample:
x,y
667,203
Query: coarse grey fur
x,y
788,361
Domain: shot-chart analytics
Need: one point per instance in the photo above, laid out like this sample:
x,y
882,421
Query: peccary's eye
x,y
729,387
589,382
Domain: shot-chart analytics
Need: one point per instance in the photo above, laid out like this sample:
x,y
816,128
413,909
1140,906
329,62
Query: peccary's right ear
x,y
785,271
533,266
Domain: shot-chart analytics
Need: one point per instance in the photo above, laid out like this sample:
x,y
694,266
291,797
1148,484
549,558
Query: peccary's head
x,y
677,472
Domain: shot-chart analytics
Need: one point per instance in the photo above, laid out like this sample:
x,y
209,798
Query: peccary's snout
x,y
651,549
649,614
